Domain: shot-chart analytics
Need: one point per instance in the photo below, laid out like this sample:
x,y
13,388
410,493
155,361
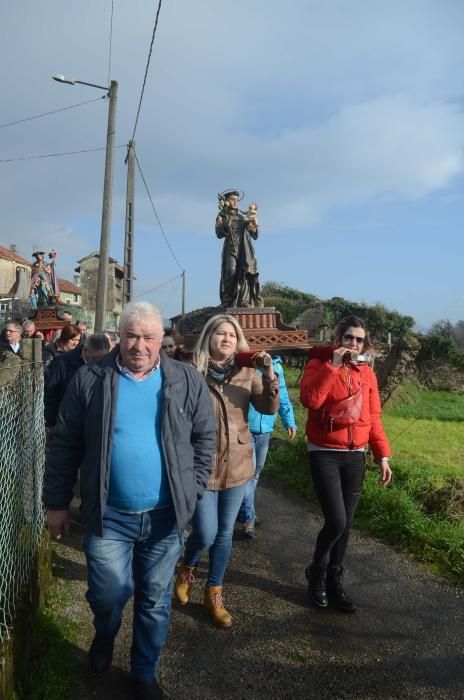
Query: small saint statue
x,y
44,282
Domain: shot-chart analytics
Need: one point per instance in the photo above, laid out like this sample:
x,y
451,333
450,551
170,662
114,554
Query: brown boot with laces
x,y
184,582
215,606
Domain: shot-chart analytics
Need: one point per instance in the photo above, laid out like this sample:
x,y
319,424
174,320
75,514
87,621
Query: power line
x,y
146,69
148,291
56,155
55,111
174,291
156,214
111,42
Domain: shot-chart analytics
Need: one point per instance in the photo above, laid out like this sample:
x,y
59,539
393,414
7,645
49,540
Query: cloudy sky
x,y
343,120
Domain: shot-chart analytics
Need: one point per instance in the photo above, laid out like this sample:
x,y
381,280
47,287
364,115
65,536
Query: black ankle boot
x,y
316,585
335,591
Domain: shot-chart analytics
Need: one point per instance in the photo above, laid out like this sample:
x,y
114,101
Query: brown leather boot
x,y
215,606
184,582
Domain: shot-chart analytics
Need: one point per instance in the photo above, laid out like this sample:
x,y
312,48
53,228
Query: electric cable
x,y
156,214
154,289
395,437
56,155
146,69
168,301
54,111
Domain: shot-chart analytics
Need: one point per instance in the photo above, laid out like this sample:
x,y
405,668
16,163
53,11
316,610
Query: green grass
x,y
422,511
53,669
411,401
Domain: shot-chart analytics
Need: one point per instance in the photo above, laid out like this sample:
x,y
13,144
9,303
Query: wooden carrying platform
x,y
46,318
263,329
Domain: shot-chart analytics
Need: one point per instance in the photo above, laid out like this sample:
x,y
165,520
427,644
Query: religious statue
x,y
44,283
239,269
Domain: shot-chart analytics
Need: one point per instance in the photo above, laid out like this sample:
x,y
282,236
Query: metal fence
x,y
22,455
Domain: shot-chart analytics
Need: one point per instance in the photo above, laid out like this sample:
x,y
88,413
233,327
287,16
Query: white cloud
x,y
307,106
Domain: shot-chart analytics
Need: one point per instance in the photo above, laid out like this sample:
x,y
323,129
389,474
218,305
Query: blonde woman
x,y
232,388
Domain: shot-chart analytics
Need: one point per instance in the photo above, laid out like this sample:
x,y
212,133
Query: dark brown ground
x,y
405,641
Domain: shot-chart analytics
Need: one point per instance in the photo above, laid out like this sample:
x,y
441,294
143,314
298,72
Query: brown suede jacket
x,y
233,459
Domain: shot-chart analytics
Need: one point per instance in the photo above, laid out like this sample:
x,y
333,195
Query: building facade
x,y
88,275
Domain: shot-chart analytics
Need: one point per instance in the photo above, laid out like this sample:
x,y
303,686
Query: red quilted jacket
x,y
324,384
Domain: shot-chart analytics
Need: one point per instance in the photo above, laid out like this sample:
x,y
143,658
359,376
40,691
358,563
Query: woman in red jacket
x,y
338,432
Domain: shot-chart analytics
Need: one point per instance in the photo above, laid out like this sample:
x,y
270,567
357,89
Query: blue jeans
x,y
260,444
213,528
136,556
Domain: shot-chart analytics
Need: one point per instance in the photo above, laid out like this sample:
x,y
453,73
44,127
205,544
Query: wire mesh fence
x,y
22,455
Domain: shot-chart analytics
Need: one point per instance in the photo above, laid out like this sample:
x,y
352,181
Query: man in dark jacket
x,y
11,337
30,331
63,369
141,429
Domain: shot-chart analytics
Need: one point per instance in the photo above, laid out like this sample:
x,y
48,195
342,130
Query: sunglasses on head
x,y
348,337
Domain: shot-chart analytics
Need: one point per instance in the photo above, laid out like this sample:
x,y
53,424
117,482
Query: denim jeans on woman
x,y
260,445
213,528
136,556
337,477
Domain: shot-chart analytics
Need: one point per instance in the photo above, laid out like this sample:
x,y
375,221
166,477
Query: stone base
x,y
263,329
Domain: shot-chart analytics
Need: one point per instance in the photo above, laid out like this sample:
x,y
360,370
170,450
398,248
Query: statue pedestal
x,y
46,320
263,329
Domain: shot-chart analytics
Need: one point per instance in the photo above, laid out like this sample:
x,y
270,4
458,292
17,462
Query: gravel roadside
x,y
405,640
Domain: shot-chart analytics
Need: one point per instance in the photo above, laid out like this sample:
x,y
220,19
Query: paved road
x,y
405,641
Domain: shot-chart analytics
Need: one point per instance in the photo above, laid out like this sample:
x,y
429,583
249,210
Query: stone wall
x,y
313,321
441,377
393,365
193,321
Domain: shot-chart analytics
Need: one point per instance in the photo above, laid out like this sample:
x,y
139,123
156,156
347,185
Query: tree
x,y
444,328
459,334
380,320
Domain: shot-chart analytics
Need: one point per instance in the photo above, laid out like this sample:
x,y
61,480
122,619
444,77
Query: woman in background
x,y
69,339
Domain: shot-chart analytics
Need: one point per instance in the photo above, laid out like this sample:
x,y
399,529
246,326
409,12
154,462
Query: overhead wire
x,y
146,69
170,297
56,155
156,214
154,289
54,111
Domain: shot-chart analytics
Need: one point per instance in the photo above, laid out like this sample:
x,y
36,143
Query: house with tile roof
x,y
15,274
70,293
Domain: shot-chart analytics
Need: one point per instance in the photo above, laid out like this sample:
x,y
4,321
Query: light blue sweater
x,y
138,479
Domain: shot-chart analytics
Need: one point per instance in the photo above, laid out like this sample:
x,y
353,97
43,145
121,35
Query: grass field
x,y
422,511
53,668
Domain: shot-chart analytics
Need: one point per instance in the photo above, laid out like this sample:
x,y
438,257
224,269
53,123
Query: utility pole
x,y
102,281
128,292
183,293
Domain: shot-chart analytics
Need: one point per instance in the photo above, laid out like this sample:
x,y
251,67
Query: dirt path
x,y
405,641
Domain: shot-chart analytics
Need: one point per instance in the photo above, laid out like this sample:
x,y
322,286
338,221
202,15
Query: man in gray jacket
x,y
140,427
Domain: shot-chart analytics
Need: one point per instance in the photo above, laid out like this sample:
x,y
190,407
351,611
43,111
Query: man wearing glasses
x,y
12,338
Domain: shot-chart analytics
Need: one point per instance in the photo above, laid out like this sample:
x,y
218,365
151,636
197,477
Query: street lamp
x,y
102,280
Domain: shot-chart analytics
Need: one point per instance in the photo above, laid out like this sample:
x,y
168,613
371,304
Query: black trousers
x,y
337,478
